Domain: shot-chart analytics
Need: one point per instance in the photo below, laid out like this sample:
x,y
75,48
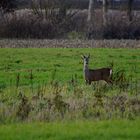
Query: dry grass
x,y
6,43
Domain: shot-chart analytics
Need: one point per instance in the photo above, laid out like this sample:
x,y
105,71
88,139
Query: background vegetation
x,y
47,84
59,19
42,91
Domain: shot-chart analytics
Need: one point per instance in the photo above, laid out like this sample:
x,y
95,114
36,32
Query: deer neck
x,y
85,68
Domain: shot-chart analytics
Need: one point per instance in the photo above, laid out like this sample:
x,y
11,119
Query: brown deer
x,y
97,74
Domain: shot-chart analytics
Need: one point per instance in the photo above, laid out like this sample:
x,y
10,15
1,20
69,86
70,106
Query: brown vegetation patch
x,y
5,43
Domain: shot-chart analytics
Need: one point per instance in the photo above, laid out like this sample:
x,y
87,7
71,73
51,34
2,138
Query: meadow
x,y
62,64
83,130
43,93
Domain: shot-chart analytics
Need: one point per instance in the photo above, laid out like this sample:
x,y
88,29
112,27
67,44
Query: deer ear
x,y
82,56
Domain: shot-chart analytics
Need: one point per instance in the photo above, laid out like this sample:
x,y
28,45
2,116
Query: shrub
x,y
50,23
38,23
122,30
118,26
8,5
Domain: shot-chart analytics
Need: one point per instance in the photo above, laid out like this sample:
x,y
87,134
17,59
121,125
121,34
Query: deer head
x,y
86,59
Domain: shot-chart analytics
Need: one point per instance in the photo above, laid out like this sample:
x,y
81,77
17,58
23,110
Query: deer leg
x,y
88,82
109,81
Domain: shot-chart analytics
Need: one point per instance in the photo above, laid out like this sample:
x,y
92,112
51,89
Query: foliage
x,y
43,20
76,35
47,21
23,107
8,5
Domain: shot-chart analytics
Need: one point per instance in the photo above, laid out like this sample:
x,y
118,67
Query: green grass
x,y
80,130
67,63
63,99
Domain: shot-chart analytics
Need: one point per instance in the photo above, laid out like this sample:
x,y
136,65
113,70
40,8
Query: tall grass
x,y
47,85
70,101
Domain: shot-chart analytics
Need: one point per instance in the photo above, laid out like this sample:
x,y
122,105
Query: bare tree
x,y
91,15
105,9
62,7
91,12
129,10
8,5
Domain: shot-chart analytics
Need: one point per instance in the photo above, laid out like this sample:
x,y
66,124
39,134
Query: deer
x,y
91,75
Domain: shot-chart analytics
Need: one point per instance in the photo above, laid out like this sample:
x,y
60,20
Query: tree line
x,y
54,18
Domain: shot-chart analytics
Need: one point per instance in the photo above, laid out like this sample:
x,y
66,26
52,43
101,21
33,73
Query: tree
x,y
8,5
129,9
62,7
105,9
91,15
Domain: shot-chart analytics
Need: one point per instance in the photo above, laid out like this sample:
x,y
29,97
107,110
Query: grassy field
x,y
46,85
61,64
79,130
